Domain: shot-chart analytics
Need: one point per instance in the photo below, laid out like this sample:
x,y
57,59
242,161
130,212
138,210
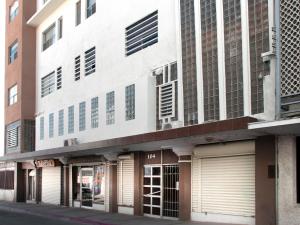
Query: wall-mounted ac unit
x,y
70,142
171,125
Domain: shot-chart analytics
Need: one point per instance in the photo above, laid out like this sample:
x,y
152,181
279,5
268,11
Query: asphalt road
x,y
12,218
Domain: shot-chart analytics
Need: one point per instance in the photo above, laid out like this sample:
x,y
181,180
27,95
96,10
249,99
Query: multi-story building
x,y
171,109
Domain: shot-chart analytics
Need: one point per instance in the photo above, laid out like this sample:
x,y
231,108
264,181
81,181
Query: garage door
x,y
51,184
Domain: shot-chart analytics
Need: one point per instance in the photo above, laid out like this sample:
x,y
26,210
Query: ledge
x,y
44,12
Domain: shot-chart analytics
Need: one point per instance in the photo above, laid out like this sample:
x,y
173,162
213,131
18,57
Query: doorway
x,y
86,180
31,194
161,191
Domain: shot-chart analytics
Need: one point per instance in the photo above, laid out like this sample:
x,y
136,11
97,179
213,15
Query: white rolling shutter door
x,y
51,185
126,182
228,185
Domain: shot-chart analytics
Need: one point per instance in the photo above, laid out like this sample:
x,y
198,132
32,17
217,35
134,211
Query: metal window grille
x,y
42,128
77,68
95,112
142,34
71,119
51,125
90,61
48,84
130,102
59,78
61,123
110,108
82,116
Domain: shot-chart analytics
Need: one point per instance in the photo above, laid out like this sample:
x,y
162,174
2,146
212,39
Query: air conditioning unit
x,y
70,142
172,125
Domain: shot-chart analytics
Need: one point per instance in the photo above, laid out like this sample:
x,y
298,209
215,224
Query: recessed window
x,y
13,52
49,37
90,61
90,7
77,68
59,78
13,95
94,112
110,108
61,122
82,116
13,10
48,84
71,120
60,27
42,128
142,34
130,102
78,13
51,125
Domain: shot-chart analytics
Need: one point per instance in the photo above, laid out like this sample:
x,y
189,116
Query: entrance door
x,y
87,187
161,191
31,185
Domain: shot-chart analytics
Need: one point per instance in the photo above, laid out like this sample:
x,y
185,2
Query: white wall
x,y
114,71
2,72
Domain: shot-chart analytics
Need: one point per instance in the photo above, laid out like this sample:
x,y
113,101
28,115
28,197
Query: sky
x,y
2,69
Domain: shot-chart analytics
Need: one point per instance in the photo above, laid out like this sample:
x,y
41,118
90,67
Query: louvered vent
x,y
77,68
90,61
167,100
58,78
142,34
12,137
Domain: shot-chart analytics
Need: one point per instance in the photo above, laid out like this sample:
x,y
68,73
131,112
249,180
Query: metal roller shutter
x,y
51,185
228,185
126,182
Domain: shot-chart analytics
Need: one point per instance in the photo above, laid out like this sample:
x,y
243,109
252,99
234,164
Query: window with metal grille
x,y
60,27
82,116
42,128
142,34
13,10
61,122
71,119
59,78
77,68
13,95
78,12
49,37
51,125
130,102
110,108
13,52
13,137
94,112
48,84
90,61
90,7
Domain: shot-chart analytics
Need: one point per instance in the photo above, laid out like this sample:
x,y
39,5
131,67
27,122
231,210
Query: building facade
x,y
171,109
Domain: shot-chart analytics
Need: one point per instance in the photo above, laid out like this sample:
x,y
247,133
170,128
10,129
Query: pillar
x,y
138,181
113,187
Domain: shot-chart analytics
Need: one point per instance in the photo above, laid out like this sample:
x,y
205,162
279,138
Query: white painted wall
x,y
114,71
2,72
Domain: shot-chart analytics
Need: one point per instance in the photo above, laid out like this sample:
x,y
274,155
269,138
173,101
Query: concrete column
x,y
185,187
19,183
138,183
38,185
265,189
113,187
65,186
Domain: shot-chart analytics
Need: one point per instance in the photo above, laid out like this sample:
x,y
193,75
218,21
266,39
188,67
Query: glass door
x,y
87,187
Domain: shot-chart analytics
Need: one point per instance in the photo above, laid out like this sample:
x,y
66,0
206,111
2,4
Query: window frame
x,y
130,102
13,99
90,9
51,41
110,108
71,119
78,13
50,87
13,52
95,112
82,116
13,14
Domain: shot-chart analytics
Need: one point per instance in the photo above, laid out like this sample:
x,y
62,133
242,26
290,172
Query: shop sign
x,y
45,163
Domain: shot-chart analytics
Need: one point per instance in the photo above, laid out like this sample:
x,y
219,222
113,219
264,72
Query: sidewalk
x,y
90,217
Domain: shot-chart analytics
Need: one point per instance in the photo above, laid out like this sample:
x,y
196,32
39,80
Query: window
x,y
42,128
99,184
13,52
60,28
90,7
110,108
142,34
94,112
77,68
61,122
71,119
13,10
49,37
51,125
90,61
13,95
78,13
7,179
82,116
48,84
58,78
130,102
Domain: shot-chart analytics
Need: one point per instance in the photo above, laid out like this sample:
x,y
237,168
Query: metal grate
x,y
167,100
290,45
13,137
77,68
59,78
48,84
90,61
